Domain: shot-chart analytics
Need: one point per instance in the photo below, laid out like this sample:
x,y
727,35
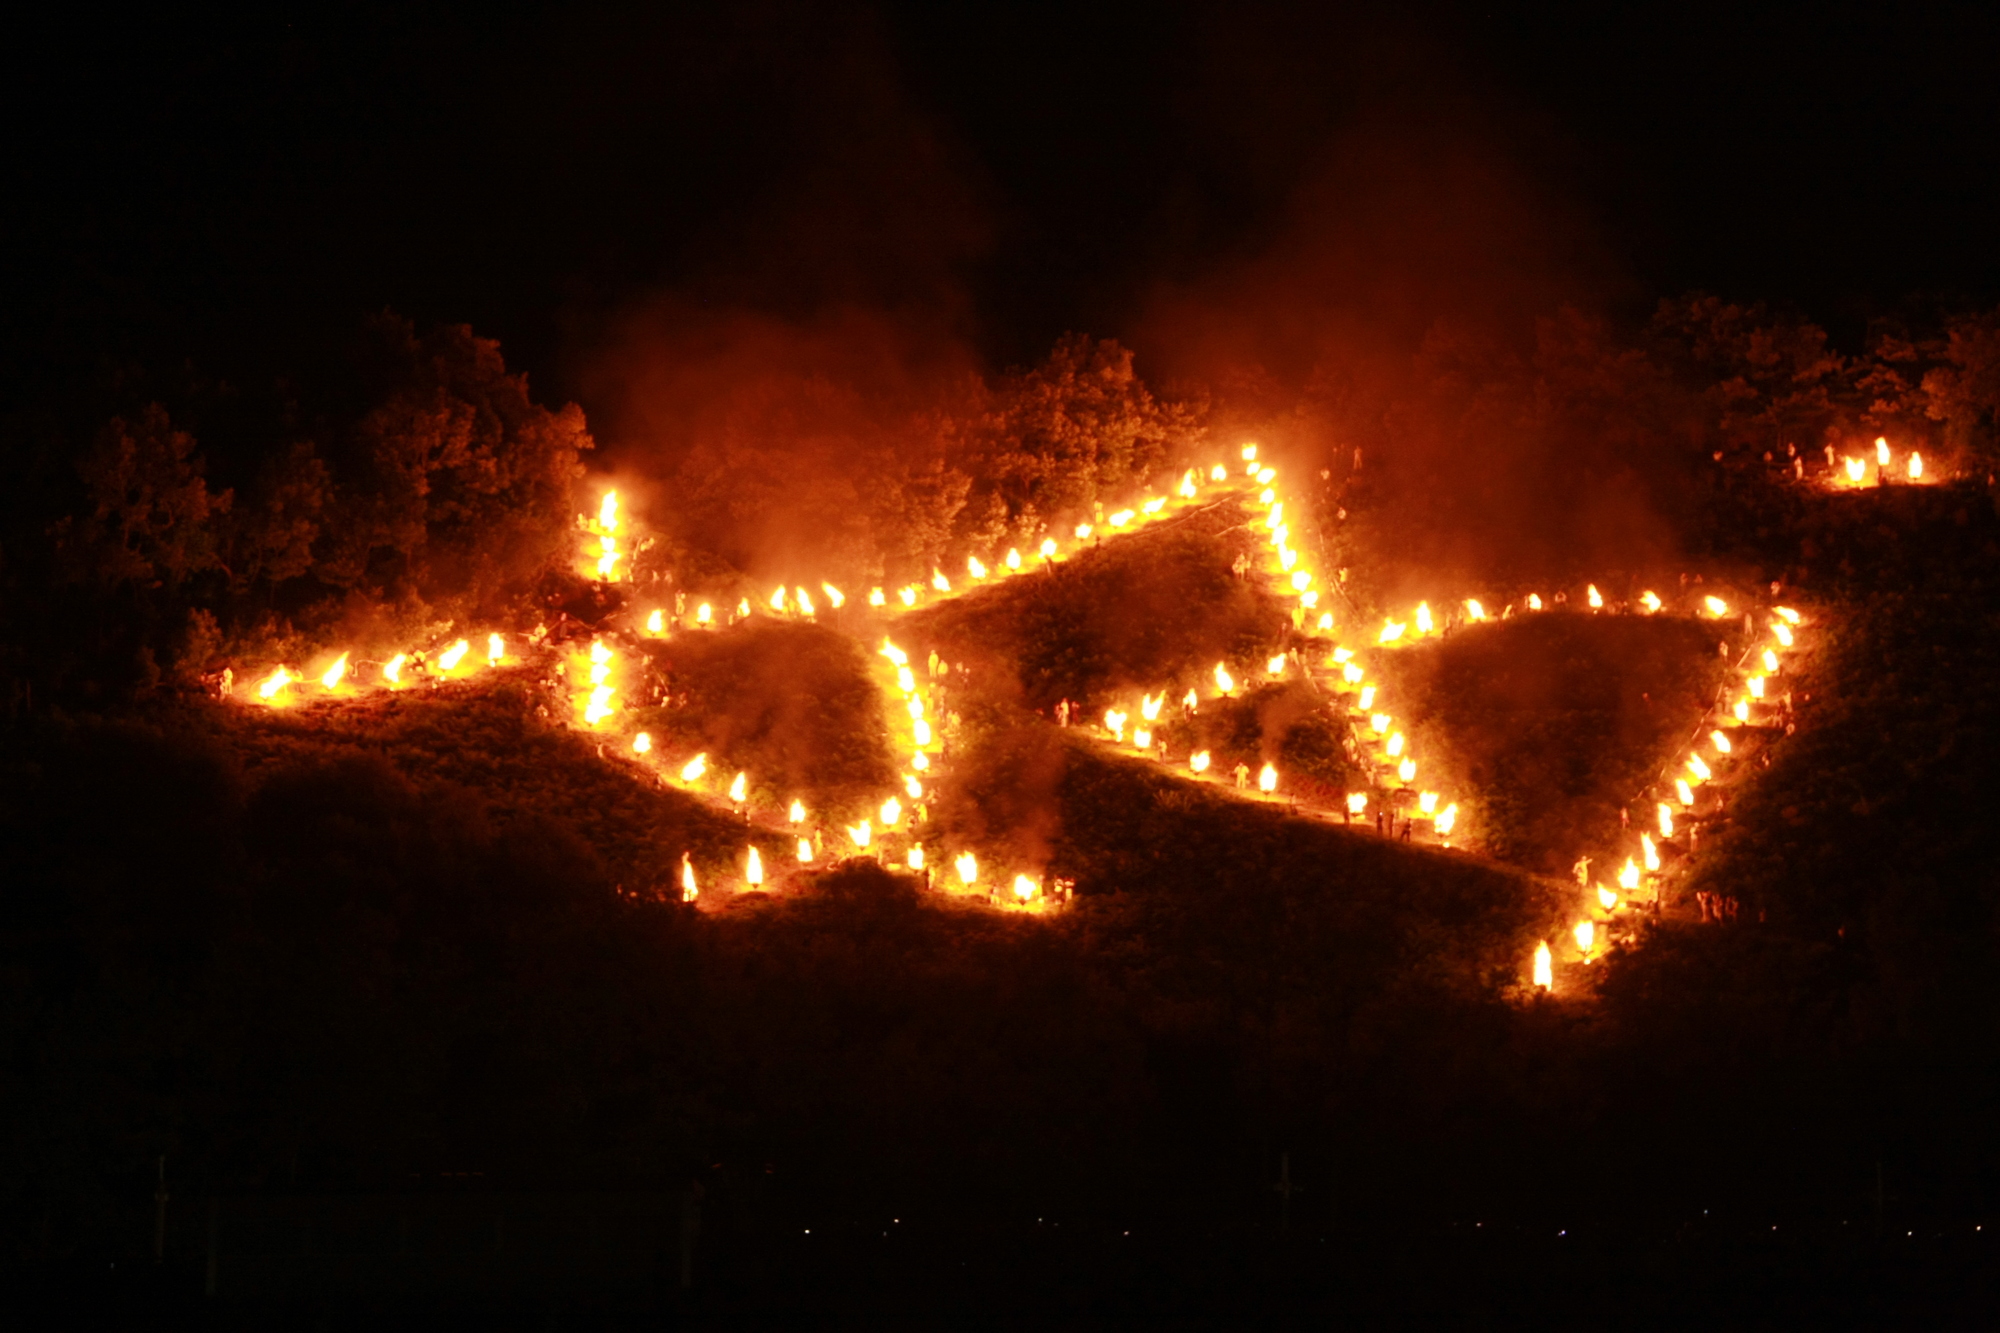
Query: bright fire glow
x,y
688,890
1407,770
1366,699
1534,601
694,768
1025,889
335,672
916,858
496,648
642,744
968,867
1881,451
1447,818
892,813
862,834
1391,631
1198,761
271,684
1916,467
975,567
1646,846
1666,813
1606,898
1276,666
1857,468
753,867
392,670
656,623
1586,935
1596,597
805,851
797,814
453,655
1720,741
1545,973
1223,680
1628,877
1357,801
1267,780
834,596
1685,792
739,787
1650,600
1715,606
1473,610
1424,622
1427,803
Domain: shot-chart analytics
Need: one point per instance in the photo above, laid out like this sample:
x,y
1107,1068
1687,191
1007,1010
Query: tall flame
x,y
1545,974
335,672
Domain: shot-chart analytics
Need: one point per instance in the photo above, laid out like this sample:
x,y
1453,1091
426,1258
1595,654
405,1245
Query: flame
x,y
876,597
1720,741
916,707
778,598
1142,738
1916,467
1267,780
1628,878
1301,581
1198,761
797,814
599,706
1407,770
1187,485
1427,803
1149,705
656,623
968,868
1586,935
1013,560
607,558
1715,606
894,654
892,813
906,679
694,768
392,670
1856,468
704,613
1544,967
271,684
1782,632
920,761
1357,801
1685,792
1473,610
1742,710
1881,451
922,731
1770,661
1447,817
1380,722
600,662
753,867
916,858
1025,889
1276,666
1326,622
1666,813
335,672
739,788
1082,531
1698,768
607,512
642,744
1391,631
1606,898
1121,518
861,833
834,596
1756,687
453,655
805,851
688,890
1596,598
1424,623
805,602
914,788
1534,601
1788,615
1048,548
1219,473
974,567
1114,722
1190,702
1646,847
1650,600
1352,674
1396,745
496,648
908,595
1250,453
1264,477
1223,680
1366,699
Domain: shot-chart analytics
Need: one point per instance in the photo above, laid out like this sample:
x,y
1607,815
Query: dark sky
x,y
236,194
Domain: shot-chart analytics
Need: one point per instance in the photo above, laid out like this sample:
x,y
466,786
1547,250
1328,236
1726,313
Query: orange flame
x,y
271,684
968,868
1544,967
1198,761
335,672
753,867
688,890
1267,780
452,656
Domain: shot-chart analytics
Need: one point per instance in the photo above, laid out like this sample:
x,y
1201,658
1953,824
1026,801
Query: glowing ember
x,y
753,868
1545,972
268,688
739,788
642,744
335,672
1198,761
452,656
1267,780
694,768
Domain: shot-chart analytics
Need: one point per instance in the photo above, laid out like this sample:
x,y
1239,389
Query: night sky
x,y
229,194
